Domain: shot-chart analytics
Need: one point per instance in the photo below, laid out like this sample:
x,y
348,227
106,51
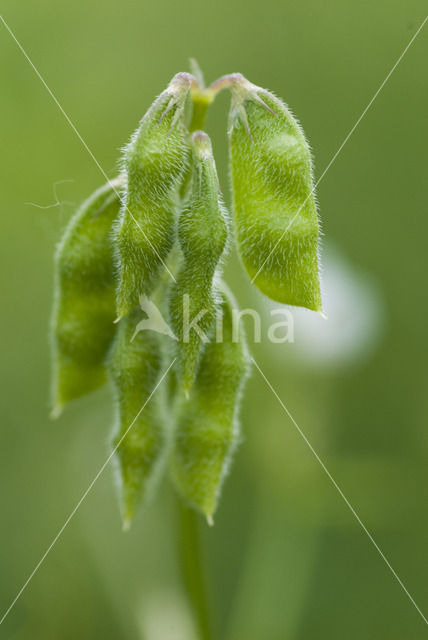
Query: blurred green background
x,y
286,559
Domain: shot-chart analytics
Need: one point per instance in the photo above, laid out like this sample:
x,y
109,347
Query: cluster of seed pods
x,y
154,239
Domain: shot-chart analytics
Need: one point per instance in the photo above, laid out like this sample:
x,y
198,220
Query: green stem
x,y
201,100
192,569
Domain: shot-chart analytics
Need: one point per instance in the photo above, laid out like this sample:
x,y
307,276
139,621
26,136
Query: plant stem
x,y
192,569
201,100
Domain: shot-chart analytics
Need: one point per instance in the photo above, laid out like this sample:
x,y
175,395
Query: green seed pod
x,y
84,306
207,431
202,233
273,197
135,366
154,162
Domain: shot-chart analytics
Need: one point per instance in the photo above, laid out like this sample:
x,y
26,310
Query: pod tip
x,y
201,144
180,81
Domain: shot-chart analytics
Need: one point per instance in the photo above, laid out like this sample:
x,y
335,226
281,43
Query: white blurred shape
x,y
355,314
166,616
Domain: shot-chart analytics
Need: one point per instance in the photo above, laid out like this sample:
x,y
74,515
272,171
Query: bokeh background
x,y
286,559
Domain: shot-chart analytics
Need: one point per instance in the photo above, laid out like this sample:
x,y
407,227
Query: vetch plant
x,y
156,237
84,298
164,215
207,429
202,235
135,366
153,163
158,233
273,197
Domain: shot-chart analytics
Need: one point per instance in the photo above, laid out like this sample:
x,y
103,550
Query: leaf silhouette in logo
x,y
154,320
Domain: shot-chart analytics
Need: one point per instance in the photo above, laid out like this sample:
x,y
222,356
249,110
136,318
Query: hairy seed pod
x,y
135,366
202,233
273,197
84,307
207,430
154,161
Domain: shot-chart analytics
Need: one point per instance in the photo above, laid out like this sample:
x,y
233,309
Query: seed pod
x,y
154,161
202,233
273,201
207,430
135,364
84,307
